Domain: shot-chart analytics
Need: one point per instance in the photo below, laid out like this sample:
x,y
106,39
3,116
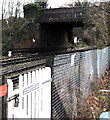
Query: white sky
x,y
51,3
58,3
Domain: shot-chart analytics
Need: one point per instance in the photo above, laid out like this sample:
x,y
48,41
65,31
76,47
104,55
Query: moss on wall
x,y
32,10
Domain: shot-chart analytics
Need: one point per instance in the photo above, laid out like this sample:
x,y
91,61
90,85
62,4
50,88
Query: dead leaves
x,y
98,101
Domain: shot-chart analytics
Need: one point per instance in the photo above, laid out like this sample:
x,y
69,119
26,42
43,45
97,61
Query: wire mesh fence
x,y
73,75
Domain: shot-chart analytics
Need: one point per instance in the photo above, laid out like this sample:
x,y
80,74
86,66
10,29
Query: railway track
x,y
12,66
17,60
24,59
26,55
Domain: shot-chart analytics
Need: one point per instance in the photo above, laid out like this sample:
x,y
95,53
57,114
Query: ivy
x,y
36,5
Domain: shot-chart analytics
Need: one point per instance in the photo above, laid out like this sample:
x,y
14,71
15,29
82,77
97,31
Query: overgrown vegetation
x,y
96,30
32,10
19,32
96,25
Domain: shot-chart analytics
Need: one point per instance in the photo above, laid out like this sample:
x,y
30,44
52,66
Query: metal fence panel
x,y
102,61
73,74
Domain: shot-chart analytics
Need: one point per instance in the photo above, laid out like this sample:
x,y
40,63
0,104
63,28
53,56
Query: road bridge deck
x,y
57,15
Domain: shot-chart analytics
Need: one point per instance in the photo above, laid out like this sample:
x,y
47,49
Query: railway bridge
x,y
56,26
